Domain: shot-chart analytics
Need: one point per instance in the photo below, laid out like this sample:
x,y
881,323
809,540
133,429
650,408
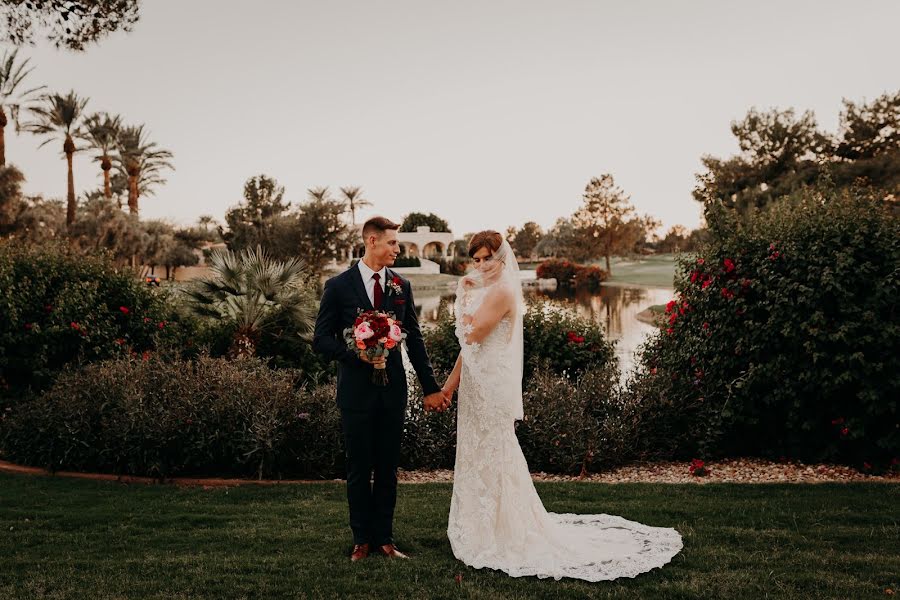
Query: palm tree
x,y
60,117
353,196
101,132
319,193
11,77
142,162
256,294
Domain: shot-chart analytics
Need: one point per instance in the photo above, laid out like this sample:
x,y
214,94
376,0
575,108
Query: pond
x,y
614,307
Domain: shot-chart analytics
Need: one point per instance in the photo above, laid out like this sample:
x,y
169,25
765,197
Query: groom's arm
x,y
415,347
327,337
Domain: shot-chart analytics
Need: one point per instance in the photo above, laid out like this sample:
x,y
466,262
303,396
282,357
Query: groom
x,y
372,416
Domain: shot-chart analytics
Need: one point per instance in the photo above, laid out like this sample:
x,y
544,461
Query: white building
x,y
421,243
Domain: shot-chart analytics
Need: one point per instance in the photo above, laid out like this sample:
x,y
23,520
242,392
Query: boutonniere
x,y
396,285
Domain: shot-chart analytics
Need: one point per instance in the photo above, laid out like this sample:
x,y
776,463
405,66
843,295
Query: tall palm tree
x,y
101,132
256,294
353,196
60,117
319,193
142,162
11,98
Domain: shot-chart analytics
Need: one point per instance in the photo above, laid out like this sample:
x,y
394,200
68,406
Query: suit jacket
x,y
342,299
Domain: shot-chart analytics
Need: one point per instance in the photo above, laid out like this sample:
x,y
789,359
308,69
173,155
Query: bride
x,y
497,519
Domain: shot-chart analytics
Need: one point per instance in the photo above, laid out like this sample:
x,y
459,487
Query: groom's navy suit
x,y
372,417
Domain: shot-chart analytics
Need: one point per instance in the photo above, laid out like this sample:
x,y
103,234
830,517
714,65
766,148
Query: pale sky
x,y
488,113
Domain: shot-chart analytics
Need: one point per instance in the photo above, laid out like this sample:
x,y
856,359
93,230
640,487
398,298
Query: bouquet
x,y
376,333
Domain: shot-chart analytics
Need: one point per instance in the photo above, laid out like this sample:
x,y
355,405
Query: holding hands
x,y
439,401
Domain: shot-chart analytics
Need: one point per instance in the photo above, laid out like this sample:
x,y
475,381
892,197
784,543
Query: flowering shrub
x,y
698,468
60,308
563,341
783,337
571,275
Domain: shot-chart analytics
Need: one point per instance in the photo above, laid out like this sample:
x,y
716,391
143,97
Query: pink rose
x,y
396,333
363,331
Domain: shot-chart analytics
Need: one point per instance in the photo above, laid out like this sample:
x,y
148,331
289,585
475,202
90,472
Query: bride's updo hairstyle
x,y
485,239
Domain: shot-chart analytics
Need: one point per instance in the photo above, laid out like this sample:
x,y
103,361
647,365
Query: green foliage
x,y
415,219
555,339
404,261
61,308
202,417
783,339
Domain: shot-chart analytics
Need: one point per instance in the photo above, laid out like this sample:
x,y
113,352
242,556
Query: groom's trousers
x,y
373,432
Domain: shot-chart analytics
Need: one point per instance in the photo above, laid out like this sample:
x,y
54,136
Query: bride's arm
x,y
452,382
495,306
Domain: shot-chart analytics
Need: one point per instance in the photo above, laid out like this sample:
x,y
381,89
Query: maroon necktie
x,y
379,293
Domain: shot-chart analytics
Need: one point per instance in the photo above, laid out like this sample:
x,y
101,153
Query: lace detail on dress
x,y
497,519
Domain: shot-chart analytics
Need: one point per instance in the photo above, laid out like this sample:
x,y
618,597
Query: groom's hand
x,y
372,361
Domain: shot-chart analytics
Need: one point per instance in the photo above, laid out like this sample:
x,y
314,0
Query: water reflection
x,y
613,307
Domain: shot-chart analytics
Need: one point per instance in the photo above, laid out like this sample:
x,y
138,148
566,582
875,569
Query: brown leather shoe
x,y
391,551
360,551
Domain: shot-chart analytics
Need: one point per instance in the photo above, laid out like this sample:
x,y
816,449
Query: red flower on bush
x,y
698,468
672,318
700,261
28,326
705,325
727,294
670,305
162,324
695,275
845,431
670,331
574,338
147,319
120,341
76,326
124,310
729,265
706,283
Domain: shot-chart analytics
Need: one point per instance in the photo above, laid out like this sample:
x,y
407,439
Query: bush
x,y
60,308
572,427
407,261
783,338
454,266
571,275
202,417
555,337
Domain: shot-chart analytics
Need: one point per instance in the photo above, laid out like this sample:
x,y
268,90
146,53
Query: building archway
x,y
433,249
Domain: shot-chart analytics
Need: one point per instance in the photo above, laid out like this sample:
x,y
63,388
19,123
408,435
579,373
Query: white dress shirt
x,y
366,274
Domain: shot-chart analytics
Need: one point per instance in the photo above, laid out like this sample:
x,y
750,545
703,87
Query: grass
x,y
654,271
82,539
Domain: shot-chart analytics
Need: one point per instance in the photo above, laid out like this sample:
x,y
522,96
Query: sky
x,y
488,113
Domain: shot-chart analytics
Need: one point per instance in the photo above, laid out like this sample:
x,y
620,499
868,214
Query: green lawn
x,y
64,538
656,271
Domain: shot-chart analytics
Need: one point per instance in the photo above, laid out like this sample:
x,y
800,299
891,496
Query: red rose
x,y
124,310
700,261
670,331
705,325
670,305
706,283
672,318
162,324
694,276
727,294
397,280
729,265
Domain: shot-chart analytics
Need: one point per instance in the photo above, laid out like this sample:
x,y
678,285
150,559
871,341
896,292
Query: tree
x,y
69,24
251,222
318,233
101,132
605,223
143,162
101,225
61,117
256,295
11,180
562,240
355,201
527,238
12,97
781,153
417,219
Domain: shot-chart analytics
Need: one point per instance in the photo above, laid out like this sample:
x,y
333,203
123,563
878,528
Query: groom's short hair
x,y
377,226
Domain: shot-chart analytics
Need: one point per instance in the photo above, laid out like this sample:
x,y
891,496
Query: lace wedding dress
x,y
497,519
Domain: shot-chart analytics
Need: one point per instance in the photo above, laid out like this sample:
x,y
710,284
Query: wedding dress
x,y
497,519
